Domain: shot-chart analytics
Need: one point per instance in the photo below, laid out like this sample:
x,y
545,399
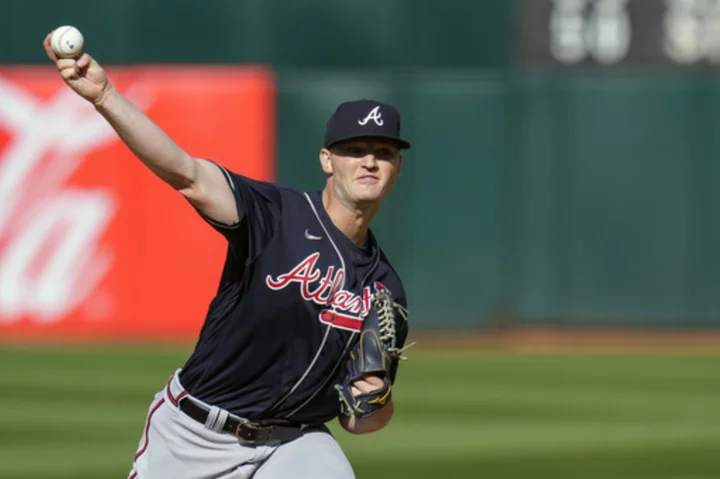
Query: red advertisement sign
x,y
92,244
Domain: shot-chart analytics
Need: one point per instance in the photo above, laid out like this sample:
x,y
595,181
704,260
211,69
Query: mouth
x,y
368,180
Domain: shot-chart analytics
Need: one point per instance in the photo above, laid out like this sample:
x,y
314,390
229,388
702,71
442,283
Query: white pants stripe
x,y
175,446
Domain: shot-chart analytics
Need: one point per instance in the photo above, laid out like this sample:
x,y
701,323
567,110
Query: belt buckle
x,y
249,434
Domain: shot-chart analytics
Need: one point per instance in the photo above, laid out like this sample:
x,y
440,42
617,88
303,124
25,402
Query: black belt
x,y
253,433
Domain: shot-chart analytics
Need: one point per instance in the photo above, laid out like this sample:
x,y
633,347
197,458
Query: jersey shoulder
x,y
271,192
268,189
291,194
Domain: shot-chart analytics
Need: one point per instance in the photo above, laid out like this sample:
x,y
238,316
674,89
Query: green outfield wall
x,y
543,195
539,198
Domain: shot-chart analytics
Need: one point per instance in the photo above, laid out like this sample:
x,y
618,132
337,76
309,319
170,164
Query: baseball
x,y
67,41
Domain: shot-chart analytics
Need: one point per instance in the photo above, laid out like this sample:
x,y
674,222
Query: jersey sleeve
x,y
259,207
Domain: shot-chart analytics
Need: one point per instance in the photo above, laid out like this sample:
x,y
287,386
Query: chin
x,y
369,196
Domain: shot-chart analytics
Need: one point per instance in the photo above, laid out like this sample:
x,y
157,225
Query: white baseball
x,y
67,41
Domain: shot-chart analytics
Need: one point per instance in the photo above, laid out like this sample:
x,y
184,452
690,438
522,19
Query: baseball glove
x,y
377,353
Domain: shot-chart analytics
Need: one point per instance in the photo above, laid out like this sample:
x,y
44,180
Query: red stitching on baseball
x,y
60,38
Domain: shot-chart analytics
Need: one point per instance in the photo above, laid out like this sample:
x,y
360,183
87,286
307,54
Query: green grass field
x,y
78,413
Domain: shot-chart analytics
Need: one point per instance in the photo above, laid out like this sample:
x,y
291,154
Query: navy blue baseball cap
x,y
364,118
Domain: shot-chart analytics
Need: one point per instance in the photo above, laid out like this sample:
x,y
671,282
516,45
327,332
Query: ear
x,y
399,163
325,162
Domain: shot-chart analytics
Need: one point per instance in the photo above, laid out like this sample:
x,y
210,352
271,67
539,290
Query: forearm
x,y
371,424
147,141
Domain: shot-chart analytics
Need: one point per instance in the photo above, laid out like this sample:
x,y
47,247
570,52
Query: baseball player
x,y
309,319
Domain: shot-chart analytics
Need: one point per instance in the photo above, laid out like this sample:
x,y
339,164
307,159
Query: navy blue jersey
x,y
292,297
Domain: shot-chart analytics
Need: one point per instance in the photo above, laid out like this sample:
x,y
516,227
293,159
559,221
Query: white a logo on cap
x,y
374,115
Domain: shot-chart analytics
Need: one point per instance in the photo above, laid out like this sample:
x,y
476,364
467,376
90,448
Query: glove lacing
x,y
386,318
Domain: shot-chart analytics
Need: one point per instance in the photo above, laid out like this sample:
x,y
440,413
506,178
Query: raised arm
x,y
200,181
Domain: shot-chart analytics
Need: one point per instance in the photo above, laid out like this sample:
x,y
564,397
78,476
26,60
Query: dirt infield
x,y
572,340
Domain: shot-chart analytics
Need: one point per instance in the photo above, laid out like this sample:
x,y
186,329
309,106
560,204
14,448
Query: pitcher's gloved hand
x,y
373,363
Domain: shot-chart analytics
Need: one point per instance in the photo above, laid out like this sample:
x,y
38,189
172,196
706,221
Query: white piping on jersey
x,y
227,176
327,233
327,379
307,371
217,223
327,330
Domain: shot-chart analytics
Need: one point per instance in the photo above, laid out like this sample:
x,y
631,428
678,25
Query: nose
x,y
369,161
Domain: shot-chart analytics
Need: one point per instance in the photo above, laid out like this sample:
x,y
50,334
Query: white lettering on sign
x,y
691,31
51,259
590,29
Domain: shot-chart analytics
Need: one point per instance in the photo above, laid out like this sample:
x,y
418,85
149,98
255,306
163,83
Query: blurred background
x,y
556,223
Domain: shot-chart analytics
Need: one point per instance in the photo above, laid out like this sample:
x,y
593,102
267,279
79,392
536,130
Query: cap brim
x,y
402,144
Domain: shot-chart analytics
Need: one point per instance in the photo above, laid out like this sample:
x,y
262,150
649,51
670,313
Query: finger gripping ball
x,y
67,41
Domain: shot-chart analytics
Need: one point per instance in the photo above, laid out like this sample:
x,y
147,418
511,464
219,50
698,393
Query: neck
x,y
353,220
